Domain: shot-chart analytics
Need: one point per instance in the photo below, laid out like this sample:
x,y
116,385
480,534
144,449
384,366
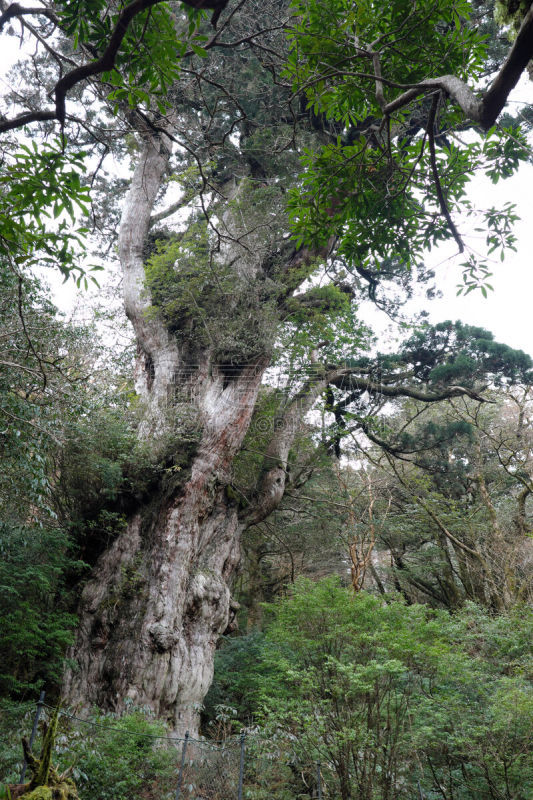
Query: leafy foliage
x,y
38,392
242,679
35,623
44,404
108,758
147,63
449,353
388,695
120,759
39,184
374,184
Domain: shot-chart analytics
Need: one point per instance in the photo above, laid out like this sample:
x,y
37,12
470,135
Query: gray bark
x,y
159,597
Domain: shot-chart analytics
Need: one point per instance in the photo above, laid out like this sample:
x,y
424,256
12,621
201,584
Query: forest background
x,y
341,524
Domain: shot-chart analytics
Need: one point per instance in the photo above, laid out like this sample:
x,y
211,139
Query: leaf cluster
x,y
457,353
42,190
387,695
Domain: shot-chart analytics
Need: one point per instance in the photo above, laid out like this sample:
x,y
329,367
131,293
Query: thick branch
x,y
105,63
521,521
484,110
75,76
349,381
134,226
380,97
26,119
519,56
16,10
453,86
168,212
274,472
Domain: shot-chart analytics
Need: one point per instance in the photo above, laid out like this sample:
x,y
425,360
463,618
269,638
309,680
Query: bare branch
x,y
168,212
26,119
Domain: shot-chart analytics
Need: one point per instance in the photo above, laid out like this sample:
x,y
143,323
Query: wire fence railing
x,y
241,766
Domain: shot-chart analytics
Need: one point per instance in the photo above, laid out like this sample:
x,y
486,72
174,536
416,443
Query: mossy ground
x,y
63,790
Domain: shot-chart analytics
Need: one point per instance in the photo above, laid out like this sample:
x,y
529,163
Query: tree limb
x,y
285,427
484,110
517,60
347,380
438,186
104,63
16,10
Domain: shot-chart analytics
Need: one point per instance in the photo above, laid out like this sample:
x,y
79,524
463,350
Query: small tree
x,y
387,696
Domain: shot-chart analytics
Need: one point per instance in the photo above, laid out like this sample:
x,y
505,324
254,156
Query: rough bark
x,y
160,597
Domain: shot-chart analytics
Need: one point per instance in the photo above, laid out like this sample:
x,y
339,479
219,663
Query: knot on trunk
x,y
209,600
270,494
233,622
162,637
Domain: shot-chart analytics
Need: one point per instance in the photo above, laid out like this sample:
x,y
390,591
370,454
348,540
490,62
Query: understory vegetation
x,y
386,697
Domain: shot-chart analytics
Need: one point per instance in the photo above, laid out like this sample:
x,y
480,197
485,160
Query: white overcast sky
x,y
508,310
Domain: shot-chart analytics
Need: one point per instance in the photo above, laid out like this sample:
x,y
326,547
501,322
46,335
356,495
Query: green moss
x,y
320,302
512,13
236,497
62,790
207,304
179,278
41,793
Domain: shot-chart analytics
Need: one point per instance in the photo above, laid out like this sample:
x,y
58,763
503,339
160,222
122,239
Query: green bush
x,y
390,694
35,625
385,696
119,758
241,678
15,721
109,758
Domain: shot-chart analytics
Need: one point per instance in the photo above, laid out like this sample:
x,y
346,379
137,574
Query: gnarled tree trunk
x,y
160,596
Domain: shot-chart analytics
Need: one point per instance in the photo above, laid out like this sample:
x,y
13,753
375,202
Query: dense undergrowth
x,y
386,696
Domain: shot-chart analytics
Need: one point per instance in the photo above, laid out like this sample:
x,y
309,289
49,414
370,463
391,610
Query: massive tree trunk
x,y
160,596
